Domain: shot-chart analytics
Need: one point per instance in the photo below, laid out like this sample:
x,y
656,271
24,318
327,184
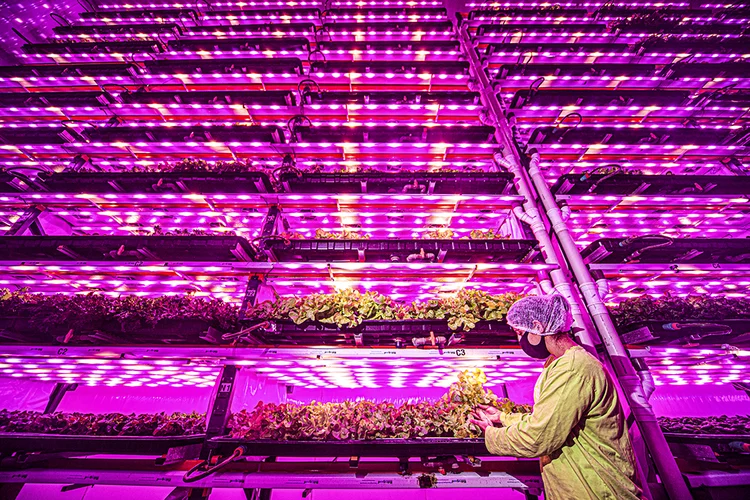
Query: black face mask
x,y
538,351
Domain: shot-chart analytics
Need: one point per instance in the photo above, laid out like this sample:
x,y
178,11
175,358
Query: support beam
x,y
29,221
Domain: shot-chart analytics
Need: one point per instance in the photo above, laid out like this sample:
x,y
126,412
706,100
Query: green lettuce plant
x,y
367,420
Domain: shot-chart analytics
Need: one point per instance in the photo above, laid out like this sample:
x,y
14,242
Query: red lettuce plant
x,y
349,308
92,311
364,420
670,308
110,424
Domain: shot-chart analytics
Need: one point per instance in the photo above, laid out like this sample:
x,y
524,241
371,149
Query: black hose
x,y
188,478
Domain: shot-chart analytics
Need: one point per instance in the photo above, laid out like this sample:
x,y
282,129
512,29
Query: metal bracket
x,y
269,222
58,392
29,221
251,295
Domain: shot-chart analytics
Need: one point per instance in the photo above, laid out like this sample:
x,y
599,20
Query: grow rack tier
x,y
664,250
111,445
126,248
426,250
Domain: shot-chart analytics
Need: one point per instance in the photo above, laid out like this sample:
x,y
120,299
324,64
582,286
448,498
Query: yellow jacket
x,y
577,428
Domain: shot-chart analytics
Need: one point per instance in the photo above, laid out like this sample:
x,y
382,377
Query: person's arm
x,y
508,419
562,403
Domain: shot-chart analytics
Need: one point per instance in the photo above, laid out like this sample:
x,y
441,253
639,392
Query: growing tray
x,y
428,183
396,333
126,248
117,445
399,448
21,330
664,185
653,250
688,332
417,251
145,182
707,447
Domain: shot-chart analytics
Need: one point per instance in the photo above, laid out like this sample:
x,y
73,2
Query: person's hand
x,y
480,419
492,413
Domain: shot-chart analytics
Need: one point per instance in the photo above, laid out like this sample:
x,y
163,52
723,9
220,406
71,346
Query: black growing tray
x,y
126,248
497,183
393,250
146,182
394,333
648,250
664,185
679,332
21,330
126,445
398,448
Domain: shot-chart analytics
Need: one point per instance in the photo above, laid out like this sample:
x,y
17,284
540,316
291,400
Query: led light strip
x,y
198,76
563,19
650,126
203,54
614,54
200,5
347,146
523,4
603,35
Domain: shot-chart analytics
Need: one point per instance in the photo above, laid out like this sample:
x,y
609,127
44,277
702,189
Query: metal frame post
x,y
218,418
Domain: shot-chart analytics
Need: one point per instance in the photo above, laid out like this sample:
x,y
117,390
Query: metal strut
x,y
532,186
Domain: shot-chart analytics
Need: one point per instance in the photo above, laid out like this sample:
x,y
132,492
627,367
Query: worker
x,y
577,426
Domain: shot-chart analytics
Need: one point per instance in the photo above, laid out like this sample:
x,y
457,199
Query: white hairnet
x,y
552,311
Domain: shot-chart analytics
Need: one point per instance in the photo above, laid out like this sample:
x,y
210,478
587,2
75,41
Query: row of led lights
x,y
388,52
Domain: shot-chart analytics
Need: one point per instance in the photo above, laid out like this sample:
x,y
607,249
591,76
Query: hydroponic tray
x,y
400,448
116,445
688,332
661,250
496,183
22,329
708,447
396,333
126,248
666,185
414,251
149,182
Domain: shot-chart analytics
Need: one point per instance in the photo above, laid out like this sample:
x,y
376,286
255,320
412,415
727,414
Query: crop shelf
x,y
651,185
155,182
688,332
126,248
416,251
710,448
395,448
117,445
662,249
25,328
427,183
393,333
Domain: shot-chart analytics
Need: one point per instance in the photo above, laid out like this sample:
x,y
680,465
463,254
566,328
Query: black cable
x,y
237,453
55,15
